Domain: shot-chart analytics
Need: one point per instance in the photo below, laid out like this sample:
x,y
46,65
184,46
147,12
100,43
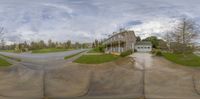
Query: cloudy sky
x,y
86,20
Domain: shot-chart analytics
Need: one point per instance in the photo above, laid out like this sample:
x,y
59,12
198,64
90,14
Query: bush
x,y
135,50
179,48
101,48
158,53
153,51
126,53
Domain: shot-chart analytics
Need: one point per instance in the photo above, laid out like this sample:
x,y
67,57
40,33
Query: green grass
x,y
95,50
70,56
186,60
4,63
17,59
49,50
96,59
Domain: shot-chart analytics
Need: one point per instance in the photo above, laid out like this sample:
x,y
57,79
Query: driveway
x,y
26,79
166,80
149,77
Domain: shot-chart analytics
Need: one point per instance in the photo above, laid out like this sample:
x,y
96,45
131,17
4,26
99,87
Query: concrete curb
x,y
196,82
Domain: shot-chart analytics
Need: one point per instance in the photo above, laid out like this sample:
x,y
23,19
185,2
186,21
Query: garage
x,y
143,46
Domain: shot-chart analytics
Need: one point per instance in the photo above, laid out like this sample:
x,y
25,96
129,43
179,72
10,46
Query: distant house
x,y
120,42
87,45
197,46
143,46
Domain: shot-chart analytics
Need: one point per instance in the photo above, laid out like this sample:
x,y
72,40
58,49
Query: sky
x,y
86,20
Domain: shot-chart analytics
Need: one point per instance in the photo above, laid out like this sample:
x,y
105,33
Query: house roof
x,y
144,43
121,32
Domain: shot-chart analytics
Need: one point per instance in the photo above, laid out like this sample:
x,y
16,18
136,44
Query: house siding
x,y
120,42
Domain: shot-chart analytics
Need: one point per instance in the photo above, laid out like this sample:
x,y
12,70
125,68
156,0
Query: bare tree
x,y
168,39
186,31
69,44
2,32
184,34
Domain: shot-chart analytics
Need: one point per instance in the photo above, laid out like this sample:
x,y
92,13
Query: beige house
x,y
120,42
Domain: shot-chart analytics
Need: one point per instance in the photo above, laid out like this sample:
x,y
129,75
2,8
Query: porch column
x,y
111,47
108,48
119,49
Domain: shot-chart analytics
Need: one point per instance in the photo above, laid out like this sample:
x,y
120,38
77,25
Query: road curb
x,y
196,82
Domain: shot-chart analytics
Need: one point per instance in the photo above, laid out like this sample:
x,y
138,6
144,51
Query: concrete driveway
x,y
166,80
26,79
149,77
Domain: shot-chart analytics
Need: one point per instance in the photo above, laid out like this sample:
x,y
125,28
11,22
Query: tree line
x,y
35,45
178,40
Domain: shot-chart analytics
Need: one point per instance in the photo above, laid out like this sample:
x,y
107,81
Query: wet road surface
x,y
150,77
43,57
26,79
166,80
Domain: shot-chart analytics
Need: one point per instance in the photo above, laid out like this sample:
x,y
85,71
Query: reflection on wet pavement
x,y
150,77
164,79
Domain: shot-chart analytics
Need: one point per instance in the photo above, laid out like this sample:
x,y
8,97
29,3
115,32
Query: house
x,y
120,42
197,46
143,46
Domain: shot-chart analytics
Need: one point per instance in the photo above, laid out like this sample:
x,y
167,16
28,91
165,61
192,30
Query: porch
x,y
115,47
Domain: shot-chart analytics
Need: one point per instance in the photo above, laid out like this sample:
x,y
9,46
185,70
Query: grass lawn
x,y
187,59
96,59
70,56
4,63
49,50
95,50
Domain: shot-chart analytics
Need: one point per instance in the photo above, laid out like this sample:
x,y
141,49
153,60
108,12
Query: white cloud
x,y
66,8
157,26
86,20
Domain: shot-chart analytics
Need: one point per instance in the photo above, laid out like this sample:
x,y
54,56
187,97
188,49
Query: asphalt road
x,y
46,57
53,77
26,79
